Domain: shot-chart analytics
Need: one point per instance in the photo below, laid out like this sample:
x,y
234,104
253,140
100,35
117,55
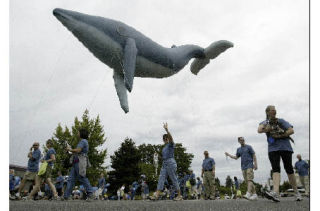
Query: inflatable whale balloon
x,y
131,54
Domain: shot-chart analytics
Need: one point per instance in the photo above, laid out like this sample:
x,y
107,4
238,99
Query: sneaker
x,y
272,196
26,198
247,196
17,195
298,197
178,198
254,197
90,198
56,198
212,198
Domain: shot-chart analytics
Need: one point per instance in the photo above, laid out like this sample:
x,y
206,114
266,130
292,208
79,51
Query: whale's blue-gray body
x,y
128,52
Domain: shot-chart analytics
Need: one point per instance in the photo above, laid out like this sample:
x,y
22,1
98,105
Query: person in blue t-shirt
x,y
303,170
208,173
34,156
59,184
248,164
50,158
278,133
79,166
135,186
169,165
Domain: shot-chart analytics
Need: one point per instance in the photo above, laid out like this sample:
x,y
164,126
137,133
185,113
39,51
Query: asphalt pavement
x,y
286,204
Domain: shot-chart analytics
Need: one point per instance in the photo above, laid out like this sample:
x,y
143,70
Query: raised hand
x,y
165,126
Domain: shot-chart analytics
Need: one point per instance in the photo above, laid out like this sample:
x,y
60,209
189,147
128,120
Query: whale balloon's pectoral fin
x,y
129,62
121,90
211,52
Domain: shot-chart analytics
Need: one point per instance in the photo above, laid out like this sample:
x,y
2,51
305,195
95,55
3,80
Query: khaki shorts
x,y
30,175
248,174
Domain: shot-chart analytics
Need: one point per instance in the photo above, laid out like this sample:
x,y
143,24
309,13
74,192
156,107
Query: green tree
x,y
217,182
64,137
125,163
146,164
228,182
243,187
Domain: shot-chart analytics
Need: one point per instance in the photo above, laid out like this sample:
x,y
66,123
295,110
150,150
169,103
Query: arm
x,y
30,153
255,164
202,171
231,156
165,126
264,128
52,158
213,170
76,150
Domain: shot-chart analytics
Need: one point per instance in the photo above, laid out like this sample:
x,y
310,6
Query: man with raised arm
x,y
248,164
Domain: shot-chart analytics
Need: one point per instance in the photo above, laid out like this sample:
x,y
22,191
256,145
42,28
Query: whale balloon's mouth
x,y
60,15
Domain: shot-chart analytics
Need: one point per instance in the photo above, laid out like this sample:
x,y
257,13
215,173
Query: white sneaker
x,y
298,197
272,196
17,195
254,197
247,196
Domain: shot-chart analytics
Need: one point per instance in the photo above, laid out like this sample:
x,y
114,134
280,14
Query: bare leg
x,y
53,188
36,187
276,181
292,181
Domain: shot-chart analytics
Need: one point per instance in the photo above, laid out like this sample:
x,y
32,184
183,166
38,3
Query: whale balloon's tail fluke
x,y
211,52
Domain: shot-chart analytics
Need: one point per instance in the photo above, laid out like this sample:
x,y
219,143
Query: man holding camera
x,y
34,156
278,133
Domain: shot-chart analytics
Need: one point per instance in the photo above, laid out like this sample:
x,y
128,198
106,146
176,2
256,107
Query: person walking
x,y
169,165
34,156
278,133
208,174
303,170
248,164
80,163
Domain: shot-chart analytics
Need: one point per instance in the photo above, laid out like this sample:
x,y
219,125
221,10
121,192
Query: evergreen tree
x,y
228,182
217,182
64,137
125,163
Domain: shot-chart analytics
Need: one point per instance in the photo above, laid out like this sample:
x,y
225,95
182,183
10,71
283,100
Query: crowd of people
x,y
182,186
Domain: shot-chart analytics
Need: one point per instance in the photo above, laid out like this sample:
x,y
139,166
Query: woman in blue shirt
x,y
278,147
169,165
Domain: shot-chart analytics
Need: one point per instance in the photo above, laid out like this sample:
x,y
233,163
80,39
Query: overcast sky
x,y
54,78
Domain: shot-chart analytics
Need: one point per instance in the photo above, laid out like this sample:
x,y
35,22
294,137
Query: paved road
x,y
286,204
